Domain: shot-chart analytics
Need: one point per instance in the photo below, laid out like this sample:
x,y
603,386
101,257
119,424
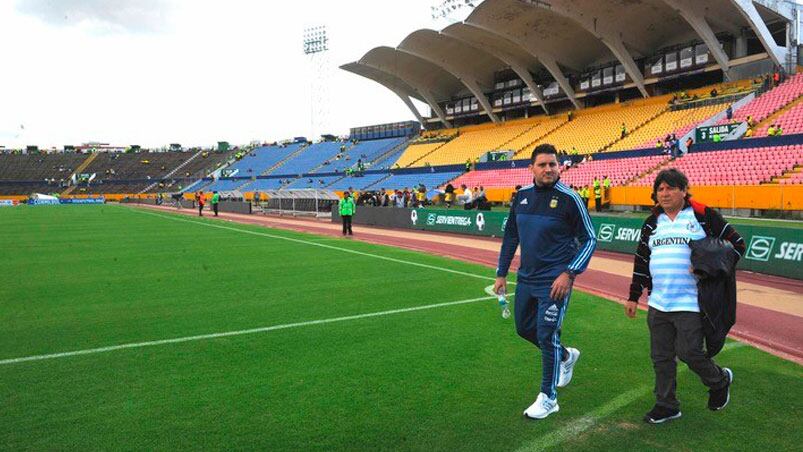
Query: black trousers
x,y
346,224
214,208
200,210
679,334
597,204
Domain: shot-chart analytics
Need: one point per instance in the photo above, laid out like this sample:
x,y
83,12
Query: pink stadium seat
x,y
770,102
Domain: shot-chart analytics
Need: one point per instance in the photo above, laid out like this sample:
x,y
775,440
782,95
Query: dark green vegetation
x,y
449,378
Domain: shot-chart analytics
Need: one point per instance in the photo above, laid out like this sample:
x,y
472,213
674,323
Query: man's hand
x,y
561,287
630,309
500,286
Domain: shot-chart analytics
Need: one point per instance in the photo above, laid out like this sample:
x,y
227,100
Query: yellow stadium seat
x,y
678,122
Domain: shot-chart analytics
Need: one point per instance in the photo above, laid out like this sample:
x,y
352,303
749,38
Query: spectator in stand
x,y
778,130
466,197
771,130
448,195
689,144
421,196
714,92
729,112
751,123
623,131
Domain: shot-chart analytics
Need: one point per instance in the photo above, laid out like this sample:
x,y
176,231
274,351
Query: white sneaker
x,y
543,407
567,367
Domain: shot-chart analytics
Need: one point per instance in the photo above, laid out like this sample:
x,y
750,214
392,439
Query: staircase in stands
x,y
81,167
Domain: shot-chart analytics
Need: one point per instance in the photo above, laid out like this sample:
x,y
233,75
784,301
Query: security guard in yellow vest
x,y
597,195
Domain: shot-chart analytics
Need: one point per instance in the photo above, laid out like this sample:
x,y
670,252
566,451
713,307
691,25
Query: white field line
x,y
265,329
175,217
578,426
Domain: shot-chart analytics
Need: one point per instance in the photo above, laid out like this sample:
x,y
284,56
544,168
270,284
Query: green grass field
x,y
453,377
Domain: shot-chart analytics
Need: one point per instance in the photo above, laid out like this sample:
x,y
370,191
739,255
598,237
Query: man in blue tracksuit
x,y
557,239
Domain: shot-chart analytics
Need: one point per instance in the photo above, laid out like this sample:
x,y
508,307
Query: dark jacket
x,y
714,262
555,233
715,254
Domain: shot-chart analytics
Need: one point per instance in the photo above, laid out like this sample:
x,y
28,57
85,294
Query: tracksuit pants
x,y
679,334
539,319
346,224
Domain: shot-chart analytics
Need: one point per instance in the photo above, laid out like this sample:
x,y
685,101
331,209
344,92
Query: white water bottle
x,y
504,305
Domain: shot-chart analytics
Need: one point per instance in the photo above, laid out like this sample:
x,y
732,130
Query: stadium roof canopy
x,y
556,38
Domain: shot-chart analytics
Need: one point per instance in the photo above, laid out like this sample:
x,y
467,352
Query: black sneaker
x,y
718,398
660,414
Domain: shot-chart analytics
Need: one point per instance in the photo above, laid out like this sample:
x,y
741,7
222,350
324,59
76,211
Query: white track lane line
x,y
265,329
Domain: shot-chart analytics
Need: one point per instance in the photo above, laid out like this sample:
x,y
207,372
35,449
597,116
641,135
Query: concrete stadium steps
x,y
771,101
789,117
793,176
417,152
92,156
593,129
281,162
540,132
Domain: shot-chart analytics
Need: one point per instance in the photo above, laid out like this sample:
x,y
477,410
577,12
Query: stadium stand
x,y
223,185
310,158
366,151
596,128
749,166
768,103
410,180
669,122
470,144
620,171
26,173
262,159
359,182
791,121
416,152
273,183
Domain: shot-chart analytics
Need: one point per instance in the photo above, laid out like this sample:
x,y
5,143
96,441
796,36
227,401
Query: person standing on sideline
x,y
597,195
201,200
215,201
662,266
347,210
557,239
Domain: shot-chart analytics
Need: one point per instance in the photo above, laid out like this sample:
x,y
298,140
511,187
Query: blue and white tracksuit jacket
x,y
556,235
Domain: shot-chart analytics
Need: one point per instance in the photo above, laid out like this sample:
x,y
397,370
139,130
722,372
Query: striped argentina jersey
x,y
674,288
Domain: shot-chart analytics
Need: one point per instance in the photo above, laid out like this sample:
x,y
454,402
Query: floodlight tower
x,y
316,47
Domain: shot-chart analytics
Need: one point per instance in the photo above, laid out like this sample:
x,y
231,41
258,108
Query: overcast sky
x,y
153,72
